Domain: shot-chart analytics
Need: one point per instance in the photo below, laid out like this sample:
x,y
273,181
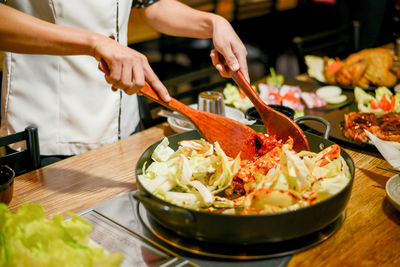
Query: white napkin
x,y
389,152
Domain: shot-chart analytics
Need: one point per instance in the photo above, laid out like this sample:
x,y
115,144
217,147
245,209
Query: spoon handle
x,y
243,84
174,104
388,169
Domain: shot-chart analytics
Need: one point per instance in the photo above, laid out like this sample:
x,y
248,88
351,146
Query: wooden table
x,y
370,235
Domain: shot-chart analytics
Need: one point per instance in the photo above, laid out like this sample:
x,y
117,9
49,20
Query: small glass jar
x,y
212,101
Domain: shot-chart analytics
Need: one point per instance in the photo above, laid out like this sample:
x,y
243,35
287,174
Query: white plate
x,y
182,126
393,191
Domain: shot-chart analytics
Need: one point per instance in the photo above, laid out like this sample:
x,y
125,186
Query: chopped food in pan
x,y
200,176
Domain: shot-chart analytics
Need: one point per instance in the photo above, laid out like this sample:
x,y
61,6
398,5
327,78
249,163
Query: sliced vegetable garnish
x,y
328,91
336,99
275,79
383,102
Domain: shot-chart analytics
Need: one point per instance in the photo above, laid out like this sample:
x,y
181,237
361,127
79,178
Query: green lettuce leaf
x,y
233,98
363,99
28,238
275,79
381,91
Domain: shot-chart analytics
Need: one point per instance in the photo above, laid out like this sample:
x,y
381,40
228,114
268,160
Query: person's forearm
x,y
22,33
174,18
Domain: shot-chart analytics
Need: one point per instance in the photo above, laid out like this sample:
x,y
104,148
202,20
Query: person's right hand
x,y
127,69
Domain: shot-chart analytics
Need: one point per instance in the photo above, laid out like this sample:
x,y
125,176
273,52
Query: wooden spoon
x,y
276,123
233,136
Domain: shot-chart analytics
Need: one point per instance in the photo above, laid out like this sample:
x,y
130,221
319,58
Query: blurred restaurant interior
x,y
268,29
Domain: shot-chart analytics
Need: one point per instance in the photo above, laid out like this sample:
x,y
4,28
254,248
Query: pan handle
x,y
158,206
315,118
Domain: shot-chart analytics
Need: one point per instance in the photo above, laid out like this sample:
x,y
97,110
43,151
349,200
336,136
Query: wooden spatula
x,y
276,123
232,136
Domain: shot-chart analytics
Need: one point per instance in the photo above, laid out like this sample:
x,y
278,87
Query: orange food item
x,y
335,66
386,127
383,104
368,66
290,97
269,151
328,154
328,74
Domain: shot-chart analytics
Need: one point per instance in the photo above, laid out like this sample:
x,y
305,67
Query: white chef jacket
x,y
67,97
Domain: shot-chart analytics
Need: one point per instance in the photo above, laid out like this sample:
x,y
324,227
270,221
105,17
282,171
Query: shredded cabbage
x,y
202,170
162,151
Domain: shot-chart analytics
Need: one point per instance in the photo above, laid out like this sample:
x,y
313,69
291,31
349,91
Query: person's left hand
x,y
227,43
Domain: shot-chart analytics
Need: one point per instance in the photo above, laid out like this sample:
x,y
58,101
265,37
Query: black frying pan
x,y
243,229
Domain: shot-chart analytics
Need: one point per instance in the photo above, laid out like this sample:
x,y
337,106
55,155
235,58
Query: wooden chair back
x,y
338,42
25,160
246,9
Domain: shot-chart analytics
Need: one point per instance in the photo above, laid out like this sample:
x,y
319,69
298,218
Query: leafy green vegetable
x,y
315,66
162,152
275,79
363,99
382,103
27,238
397,103
233,97
381,91
194,173
298,113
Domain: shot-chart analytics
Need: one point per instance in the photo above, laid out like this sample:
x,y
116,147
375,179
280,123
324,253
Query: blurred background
x,y
267,27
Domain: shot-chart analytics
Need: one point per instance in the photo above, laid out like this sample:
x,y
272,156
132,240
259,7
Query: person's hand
x,y
227,43
126,68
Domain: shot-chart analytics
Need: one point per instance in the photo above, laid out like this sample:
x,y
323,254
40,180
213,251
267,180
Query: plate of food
x,y
378,113
368,69
385,127
334,96
274,91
